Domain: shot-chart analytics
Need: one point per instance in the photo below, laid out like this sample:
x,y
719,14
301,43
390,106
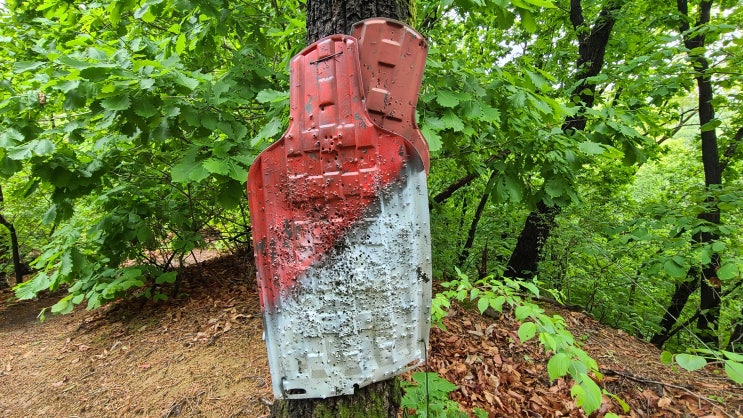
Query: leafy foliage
x,y
429,397
568,359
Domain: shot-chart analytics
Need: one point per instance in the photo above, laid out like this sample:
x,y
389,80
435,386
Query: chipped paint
x,y
339,208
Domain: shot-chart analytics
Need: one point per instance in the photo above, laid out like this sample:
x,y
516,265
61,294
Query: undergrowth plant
x,y
567,359
429,397
696,359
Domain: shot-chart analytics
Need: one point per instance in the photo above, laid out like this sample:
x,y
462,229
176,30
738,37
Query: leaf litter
x,y
202,355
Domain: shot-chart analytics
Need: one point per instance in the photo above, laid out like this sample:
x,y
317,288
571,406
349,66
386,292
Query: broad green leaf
x,y
542,3
527,331
558,365
120,102
63,306
270,95
185,81
733,356
269,130
728,271
181,171
591,399
482,304
23,66
10,138
674,269
446,98
452,121
591,148
666,357
432,138
527,19
168,277
690,362
180,44
217,166
524,311
734,370
144,107
711,125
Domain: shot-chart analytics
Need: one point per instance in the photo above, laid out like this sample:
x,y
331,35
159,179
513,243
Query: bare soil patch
x,y
202,355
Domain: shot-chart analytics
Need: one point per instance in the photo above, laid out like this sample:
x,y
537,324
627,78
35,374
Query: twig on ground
x,y
714,403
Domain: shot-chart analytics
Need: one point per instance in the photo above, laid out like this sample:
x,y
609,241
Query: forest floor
x,y
202,355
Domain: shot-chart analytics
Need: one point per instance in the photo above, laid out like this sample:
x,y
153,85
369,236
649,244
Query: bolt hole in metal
x,y
296,391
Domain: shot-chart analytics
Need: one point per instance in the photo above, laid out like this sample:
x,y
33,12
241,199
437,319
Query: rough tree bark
x,y
709,285
381,399
591,50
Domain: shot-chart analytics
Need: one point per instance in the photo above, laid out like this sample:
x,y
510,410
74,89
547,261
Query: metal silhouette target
x,y
339,211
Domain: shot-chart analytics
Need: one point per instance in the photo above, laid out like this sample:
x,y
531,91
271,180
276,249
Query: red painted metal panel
x,y
326,169
339,212
393,57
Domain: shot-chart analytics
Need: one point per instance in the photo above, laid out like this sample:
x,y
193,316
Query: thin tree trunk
x,y
591,50
678,301
476,220
710,285
380,399
19,267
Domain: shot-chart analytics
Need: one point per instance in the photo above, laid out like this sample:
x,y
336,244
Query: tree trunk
x,y
476,220
528,250
706,277
327,17
19,267
678,301
710,285
380,399
591,50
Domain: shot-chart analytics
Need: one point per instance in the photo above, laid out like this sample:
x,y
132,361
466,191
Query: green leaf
x,y
182,170
734,370
528,21
168,277
452,121
23,66
558,365
523,311
674,269
590,398
180,44
269,130
270,95
217,166
432,138
711,125
690,362
482,304
446,98
527,331
120,102
185,81
144,107
728,271
733,356
666,357
591,148
542,3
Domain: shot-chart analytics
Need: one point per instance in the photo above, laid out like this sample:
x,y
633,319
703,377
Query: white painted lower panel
x,y
362,313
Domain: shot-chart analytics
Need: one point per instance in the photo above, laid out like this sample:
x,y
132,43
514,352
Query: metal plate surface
x,y
393,58
339,211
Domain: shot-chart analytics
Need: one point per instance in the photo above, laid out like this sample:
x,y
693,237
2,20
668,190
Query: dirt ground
x,y
202,355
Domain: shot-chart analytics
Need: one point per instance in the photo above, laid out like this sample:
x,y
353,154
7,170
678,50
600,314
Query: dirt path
x,y
202,355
